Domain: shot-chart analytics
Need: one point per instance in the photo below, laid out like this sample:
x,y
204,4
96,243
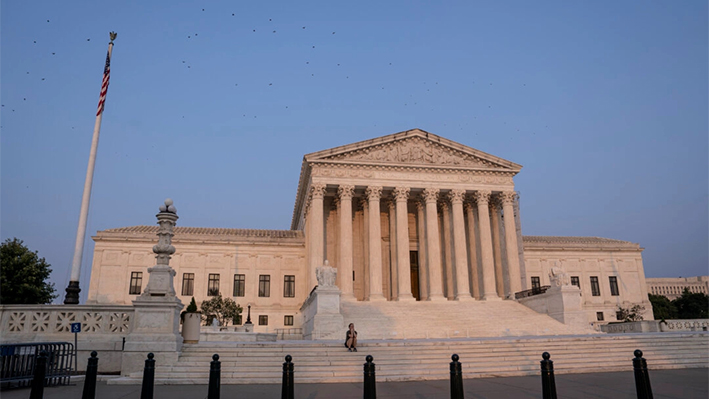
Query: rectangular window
x,y
213,285
188,284
237,320
263,320
613,280
595,288
264,285
136,282
619,315
575,281
535,283
239,284
599,316
289,286
287,320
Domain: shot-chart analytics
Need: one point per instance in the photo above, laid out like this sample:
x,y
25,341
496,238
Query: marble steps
x,y
425,360
405,320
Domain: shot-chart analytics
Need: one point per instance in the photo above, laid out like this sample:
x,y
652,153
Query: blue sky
x,y
214,103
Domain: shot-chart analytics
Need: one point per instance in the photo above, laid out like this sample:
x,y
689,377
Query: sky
x,y
214,104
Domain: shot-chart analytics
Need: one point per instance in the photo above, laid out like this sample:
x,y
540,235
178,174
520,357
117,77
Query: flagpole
x,y
72,291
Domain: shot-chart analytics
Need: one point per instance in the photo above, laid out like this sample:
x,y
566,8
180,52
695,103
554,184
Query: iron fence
x,y
17,363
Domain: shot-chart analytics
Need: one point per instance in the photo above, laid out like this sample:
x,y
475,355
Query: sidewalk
x,y
679,384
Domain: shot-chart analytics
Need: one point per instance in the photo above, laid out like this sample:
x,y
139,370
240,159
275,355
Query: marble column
x,y
508,198
402,244
462,291
393,271
317,193
482,197
374,194
365,241
472,248
446,248
497,246
345,194
433,246
423,260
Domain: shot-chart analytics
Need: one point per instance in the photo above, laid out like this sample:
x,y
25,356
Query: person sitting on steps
x,y
351,339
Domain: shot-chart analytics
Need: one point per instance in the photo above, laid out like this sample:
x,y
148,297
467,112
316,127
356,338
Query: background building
x,y
672,288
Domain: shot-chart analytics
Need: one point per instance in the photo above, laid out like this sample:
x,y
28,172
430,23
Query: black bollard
x,y
642,377
148,378
456,378
40,371
90,381
370,385
215,371
548,384
287,388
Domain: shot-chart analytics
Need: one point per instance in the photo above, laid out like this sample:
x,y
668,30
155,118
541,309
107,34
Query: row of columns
x,y
431,276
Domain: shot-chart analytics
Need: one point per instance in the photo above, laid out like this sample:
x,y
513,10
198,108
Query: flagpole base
x,y
72,293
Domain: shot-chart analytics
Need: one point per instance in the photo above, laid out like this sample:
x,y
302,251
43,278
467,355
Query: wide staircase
x,y
448,319
428,359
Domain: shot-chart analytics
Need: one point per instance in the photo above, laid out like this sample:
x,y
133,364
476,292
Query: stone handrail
x,y
22,320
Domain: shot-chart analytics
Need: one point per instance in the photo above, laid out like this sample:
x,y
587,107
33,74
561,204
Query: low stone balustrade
x,y
103,328
656,326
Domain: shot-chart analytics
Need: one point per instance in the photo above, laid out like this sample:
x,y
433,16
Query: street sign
x,y
76,327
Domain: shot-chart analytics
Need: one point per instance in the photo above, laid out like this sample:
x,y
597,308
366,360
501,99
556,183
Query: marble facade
x,y
405,217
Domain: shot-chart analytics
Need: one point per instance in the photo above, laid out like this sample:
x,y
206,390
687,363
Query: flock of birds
x,y
407,101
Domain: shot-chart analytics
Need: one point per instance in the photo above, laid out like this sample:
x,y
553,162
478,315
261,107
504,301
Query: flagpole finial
x,y
113,36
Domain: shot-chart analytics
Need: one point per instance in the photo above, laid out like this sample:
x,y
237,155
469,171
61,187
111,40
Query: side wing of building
x,y
263,268
609,272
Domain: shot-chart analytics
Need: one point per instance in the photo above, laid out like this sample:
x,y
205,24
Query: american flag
x,y
104,85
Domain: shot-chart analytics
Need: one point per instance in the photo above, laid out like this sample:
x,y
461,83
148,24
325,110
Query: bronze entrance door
x,y
414,258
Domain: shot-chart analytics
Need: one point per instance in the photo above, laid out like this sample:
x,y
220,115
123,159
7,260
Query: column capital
x,y
443,205
373,193
401,194
391,204
482,197
469,205
456,196
363,203
430,195
507,197
317,190
346,191
420,204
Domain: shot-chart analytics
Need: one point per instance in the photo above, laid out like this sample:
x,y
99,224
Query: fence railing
x,y
18,363
532,292
642,378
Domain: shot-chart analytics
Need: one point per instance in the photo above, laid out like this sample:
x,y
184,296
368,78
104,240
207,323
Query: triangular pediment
x,y
413,148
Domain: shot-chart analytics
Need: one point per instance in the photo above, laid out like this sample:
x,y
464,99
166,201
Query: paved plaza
x,y
676,384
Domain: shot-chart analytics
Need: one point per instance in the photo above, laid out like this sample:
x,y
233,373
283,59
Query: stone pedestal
x,y
155,329
563,303
321,313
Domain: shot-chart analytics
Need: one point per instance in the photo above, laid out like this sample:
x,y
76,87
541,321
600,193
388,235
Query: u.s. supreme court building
x,y
417,226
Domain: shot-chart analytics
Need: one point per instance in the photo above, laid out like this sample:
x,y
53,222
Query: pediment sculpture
x,y
414,150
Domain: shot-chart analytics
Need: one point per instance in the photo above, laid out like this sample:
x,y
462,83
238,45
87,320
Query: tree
x,y
224,310
23,275
662,307
692,305
633,313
